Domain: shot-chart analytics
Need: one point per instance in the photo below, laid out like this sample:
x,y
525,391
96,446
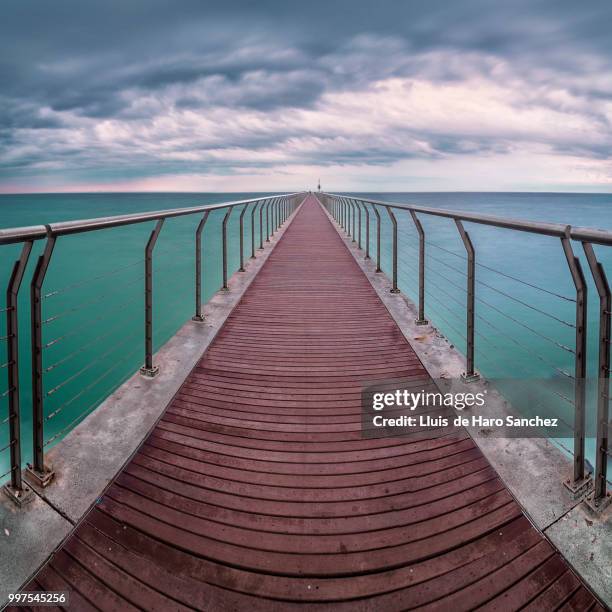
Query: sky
x,y
270,95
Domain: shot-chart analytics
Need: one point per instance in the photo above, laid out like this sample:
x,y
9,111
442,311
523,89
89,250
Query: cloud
x,y
146,91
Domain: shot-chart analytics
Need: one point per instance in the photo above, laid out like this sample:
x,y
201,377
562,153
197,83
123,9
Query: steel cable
x,y
84,347
88,325
95,300
527,349
83,370
88,281
506,275
507,295
511,318
96,402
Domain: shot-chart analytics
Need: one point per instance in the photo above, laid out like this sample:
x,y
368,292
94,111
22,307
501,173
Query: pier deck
x,y
256,490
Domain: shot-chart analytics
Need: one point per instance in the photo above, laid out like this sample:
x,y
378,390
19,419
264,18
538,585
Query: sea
x,y
93,293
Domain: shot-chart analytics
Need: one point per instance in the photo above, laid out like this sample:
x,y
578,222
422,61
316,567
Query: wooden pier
x,y
257,491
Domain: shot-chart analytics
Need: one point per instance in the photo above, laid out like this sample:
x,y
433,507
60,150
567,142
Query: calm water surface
x,y
93,305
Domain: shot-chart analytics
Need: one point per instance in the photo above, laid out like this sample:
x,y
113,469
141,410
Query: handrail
x,y
340,208
62,228
558,230
278,209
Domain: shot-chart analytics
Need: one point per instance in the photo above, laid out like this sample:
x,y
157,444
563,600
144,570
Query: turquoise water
x,y
94,303
522,332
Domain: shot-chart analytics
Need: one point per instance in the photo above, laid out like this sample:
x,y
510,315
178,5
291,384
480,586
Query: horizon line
x,y
280,191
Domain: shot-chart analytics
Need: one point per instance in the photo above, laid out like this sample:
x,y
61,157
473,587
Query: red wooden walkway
x,y
257,492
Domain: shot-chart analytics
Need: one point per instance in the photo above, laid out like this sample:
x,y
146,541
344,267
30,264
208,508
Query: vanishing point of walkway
x,y
257,492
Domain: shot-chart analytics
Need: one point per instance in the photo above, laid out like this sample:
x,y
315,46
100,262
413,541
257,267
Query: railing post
x,y
378,268
600,498
148,369
581,482
15,489
244,209
348,218
353,219
199,316
261,246
346,226
394,288
38,473
367,230
224,246
470,374
253,229
359,232
421,320
275,216
268,220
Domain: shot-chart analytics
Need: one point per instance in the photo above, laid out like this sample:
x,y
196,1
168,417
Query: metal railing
x,y
277,210
347,212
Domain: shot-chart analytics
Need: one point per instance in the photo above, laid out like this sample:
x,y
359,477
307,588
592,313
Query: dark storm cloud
x,y
74,55
69,65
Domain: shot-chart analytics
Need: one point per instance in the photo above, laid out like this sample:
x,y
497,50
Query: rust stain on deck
x,y
257,492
